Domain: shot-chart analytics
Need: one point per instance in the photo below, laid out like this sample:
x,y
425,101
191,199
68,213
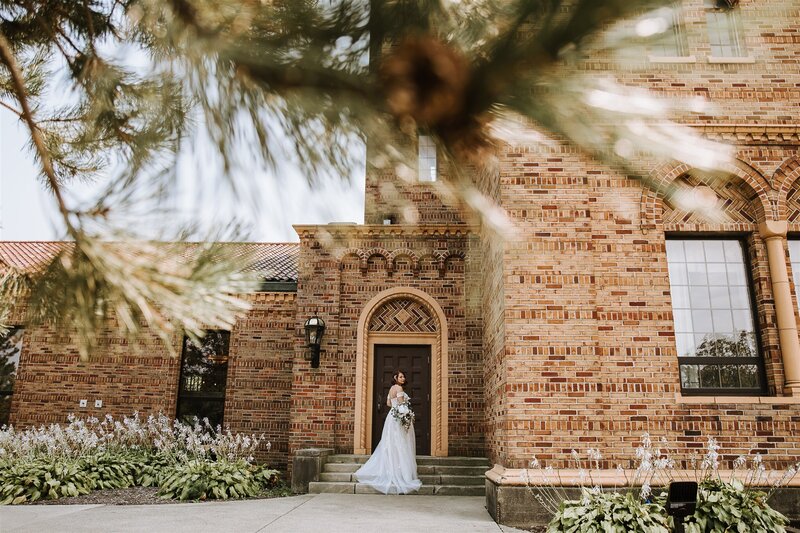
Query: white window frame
x,y
427,168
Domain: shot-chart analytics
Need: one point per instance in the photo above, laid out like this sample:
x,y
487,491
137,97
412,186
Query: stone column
x,y
774,233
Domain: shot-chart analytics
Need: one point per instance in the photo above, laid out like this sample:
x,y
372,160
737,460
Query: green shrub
x,y
152,469
43,479
730,507
608,512
201,479
112,470
266,477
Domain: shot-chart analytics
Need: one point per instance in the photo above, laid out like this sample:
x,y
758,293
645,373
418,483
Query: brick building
x,y
609,312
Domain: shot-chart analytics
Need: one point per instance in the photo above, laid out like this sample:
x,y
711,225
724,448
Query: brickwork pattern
x,y
143,377
403,315
339,281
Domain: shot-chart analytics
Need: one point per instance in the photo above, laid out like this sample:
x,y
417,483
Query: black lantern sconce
x,y
315,329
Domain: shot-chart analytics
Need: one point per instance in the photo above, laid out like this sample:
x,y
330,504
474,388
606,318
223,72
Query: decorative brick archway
x,y
429,326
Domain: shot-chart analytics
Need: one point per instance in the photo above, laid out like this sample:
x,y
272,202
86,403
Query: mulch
x,y
134,496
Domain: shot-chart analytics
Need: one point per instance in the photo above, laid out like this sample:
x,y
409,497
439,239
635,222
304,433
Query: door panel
x,y
414,360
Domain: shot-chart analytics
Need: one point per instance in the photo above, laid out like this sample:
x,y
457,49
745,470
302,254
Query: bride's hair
x,y
394,378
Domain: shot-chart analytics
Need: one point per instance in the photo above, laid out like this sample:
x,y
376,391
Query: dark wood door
x,y
415,361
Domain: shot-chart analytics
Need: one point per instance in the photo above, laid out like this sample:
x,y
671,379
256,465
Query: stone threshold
x,y
729,400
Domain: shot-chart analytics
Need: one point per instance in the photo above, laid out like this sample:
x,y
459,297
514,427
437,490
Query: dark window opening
x,y
204,374
10,350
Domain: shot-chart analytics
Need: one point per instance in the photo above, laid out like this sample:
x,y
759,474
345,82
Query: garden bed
x,y
141,496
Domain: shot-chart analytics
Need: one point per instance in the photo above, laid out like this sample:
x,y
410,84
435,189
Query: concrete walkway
x,y
345,513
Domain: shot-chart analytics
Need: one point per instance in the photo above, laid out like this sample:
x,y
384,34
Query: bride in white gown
x,y
392,469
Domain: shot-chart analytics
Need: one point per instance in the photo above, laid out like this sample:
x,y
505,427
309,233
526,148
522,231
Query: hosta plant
x,y
29,481
200,479
729,506
112,470
608,512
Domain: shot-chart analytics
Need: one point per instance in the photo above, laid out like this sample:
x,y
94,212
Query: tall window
x,y
714,326
672,42
427,158
725,32
794,257
204,373
10,349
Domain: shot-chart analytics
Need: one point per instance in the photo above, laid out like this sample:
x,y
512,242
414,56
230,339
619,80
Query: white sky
x,y
27,212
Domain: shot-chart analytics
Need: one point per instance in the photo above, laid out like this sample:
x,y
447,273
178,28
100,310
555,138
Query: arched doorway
x,y
404,317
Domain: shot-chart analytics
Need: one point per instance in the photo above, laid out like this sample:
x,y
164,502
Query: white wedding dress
x,y
392,469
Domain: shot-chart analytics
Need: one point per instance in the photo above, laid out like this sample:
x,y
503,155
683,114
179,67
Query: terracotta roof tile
x,y
274,261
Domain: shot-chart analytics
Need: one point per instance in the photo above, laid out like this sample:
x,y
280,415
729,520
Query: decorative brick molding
x,y
439,363
403,315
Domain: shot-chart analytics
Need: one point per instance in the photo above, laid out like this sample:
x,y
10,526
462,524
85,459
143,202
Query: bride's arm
x,y
396,393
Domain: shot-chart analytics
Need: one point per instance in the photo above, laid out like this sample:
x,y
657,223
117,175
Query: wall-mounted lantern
x,y
315,329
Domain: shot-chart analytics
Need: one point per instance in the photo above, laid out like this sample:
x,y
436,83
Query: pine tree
x,y
468,73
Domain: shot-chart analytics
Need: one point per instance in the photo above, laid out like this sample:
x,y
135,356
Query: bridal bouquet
x,y
403,414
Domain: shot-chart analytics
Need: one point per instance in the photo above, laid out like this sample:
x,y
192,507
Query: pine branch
x,y
8,59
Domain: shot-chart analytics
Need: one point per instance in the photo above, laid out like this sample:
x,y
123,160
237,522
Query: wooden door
x,y
415,361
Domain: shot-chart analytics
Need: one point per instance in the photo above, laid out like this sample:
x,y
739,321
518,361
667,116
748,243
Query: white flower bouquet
x,y
403,414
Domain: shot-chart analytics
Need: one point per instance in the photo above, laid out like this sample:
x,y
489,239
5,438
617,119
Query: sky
x,y
272,202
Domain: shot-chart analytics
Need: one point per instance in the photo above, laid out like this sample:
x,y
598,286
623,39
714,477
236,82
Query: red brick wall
x,y
590,353
143,377
340,283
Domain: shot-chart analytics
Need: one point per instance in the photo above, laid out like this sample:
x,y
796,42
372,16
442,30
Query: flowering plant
x,y
403,414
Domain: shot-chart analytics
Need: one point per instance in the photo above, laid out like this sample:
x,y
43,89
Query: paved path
x,y
346,513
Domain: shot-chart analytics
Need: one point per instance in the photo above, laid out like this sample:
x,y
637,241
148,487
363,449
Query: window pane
x,y
794,258
720,299
694,251
191,408
699,298
427,158
10,350
740,297
748,376
725,34
717,274
709,376
683,321
677,274
204,374
718,322
701,320
680,297
722,321
675,251
690,376
685,344
729,376
697,273
714,251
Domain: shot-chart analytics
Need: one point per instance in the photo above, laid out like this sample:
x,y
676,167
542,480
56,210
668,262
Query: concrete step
x,y
459,490
460,470
478,471
340,467
347,458
421,460
453,461
346,477
328,487
460,480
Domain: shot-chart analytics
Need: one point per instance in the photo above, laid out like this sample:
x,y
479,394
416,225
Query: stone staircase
x,y
444,476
